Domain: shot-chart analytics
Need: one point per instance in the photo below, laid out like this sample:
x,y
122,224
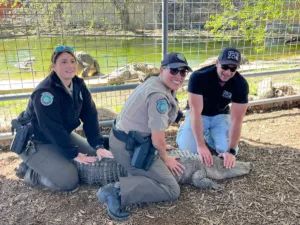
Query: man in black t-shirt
x,y
208,118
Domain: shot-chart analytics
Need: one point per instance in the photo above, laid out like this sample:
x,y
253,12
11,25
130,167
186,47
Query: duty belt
x,y
120,135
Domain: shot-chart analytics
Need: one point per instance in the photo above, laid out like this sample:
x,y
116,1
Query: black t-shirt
x,y
216,98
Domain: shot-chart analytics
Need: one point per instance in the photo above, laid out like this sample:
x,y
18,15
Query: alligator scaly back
x,y
101,172
108,170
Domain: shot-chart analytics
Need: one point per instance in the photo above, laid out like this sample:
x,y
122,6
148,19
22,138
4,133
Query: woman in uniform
x,y
148,112
56,108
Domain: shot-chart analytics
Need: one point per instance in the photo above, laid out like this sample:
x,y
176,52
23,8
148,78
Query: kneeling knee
x,y
69,185
69,181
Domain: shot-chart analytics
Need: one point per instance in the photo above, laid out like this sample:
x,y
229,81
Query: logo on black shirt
x,y
227,94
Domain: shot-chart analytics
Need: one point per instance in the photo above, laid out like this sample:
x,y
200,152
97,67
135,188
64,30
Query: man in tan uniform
x,y
149,110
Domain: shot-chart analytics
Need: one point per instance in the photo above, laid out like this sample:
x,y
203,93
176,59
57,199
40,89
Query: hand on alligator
x,y
229,160
170,147
103,153
173,165
82,158
205,156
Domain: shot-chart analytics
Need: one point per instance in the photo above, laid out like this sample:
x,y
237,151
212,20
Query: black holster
x,y
179,116
143,152
24,133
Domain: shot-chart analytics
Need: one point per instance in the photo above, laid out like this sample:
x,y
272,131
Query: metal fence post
x,y
164,27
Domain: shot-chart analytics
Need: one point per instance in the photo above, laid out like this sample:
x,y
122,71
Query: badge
x,y
162,106
80,96
46,98
181,57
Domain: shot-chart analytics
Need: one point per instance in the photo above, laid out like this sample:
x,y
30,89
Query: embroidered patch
x,y
233,55
227,94
181,57
46,98
162,106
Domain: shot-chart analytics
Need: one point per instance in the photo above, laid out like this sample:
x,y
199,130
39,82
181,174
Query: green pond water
x,y
114,52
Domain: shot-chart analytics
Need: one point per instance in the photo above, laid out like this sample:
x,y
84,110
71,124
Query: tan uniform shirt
x,y
69,89
152,106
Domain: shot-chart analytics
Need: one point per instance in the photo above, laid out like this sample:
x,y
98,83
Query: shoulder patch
x,y
162,105
46,98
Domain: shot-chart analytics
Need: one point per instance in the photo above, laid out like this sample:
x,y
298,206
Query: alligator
x,y
107,171
87,65
131,71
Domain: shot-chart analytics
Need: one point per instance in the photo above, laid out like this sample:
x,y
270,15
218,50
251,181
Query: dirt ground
x,y
270,194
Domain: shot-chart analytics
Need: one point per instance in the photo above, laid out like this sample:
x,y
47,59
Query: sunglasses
x,y
60,49
64,48
175,71
227,67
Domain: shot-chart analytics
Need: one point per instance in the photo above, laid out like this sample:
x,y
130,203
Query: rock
x,y
265,89
131,71
25,64
284,89
106,114
278,93
252,98
87,65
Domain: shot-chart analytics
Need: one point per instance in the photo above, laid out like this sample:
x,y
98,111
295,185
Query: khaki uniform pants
x,y
155,185
53,170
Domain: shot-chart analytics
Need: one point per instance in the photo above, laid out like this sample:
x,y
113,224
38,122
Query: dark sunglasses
x,y
63,48
175,71
226,67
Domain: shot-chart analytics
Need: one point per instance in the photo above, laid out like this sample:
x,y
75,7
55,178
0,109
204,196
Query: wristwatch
x,y
98,146
232,151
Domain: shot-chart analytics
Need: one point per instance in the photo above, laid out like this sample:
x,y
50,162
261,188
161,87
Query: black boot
x,y
31,178
110,196
34,179
21,170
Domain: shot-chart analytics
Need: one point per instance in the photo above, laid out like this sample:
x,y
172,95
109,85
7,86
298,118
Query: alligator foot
x,y
208,183
201,181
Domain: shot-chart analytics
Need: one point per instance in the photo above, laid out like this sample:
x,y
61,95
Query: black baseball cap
x,y
230,56
175,60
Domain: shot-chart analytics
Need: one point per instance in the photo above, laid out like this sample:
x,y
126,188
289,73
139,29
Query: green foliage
x,y
182,96
13,106
250,18
253,88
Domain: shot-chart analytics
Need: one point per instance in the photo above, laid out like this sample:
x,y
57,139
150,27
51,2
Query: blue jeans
x,y
216,131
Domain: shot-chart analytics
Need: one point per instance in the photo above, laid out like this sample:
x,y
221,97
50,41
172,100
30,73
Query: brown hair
x,y
151,75
56,54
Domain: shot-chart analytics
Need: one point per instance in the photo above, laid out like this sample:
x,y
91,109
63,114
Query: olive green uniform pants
x,y
155,185
50,169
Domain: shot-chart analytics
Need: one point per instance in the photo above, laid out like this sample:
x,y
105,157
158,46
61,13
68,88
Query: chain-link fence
x,y
120,42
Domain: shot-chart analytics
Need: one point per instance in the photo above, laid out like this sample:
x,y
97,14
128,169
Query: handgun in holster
x,y
22,125
150,158
134,139
143,150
